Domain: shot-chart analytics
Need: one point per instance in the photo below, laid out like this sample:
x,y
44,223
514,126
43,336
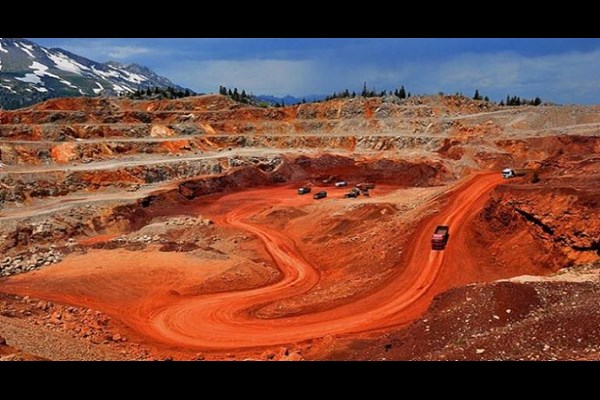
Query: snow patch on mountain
x,y
70,85
107,74
42,70
25,49
65,64
121,89
99,89
7,87
30,78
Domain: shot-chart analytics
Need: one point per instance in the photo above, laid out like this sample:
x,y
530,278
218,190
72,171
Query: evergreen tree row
x,y
517,101
159,93
366,92
510,100
242,97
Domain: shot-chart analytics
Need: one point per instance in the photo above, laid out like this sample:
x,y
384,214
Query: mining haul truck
x,y
512,173
440,237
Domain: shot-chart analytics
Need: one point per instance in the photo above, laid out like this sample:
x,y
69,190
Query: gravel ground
x,y
50,344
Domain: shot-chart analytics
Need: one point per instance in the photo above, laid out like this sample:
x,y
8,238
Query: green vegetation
x,y
159,93
366,92
517,101
236,95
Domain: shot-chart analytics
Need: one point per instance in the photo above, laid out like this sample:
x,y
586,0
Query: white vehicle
x,y
341,184
508,173
512,173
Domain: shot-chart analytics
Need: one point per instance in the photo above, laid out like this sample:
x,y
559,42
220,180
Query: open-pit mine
x,y
175,230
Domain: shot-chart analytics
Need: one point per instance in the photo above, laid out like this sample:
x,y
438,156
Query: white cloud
x,y
107,49
564,78
277,77
123,52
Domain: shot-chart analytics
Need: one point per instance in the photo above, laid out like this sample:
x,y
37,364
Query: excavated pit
x,y
180,220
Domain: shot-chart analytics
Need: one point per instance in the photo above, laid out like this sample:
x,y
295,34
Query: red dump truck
x,y
440,237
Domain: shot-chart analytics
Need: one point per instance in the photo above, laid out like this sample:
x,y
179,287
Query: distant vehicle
x,y
508,173
341,184
363,186
354,193
440,237
304,190
78,140
320,195
365,192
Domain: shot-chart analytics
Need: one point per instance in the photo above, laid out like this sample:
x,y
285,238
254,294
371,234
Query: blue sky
x,y
559,70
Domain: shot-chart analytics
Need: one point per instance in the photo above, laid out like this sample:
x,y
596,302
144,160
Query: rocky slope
x,y
553,318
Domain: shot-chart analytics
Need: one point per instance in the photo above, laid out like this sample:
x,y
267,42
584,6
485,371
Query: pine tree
x,y
486,98
476,96
402,93
229,93
187,93
236,95
537,101
502,102
353,94
364,91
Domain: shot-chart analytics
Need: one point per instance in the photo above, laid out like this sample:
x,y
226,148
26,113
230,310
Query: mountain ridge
x,y
30,73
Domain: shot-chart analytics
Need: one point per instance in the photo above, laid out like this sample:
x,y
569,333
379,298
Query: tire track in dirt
x,y
226,321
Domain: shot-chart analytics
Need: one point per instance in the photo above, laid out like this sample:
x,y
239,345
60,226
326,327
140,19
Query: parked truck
x,y
440,237
354,193
304,190
363,186
320,195
508,173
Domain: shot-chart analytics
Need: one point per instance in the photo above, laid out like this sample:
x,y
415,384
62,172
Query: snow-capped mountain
x,y
30,73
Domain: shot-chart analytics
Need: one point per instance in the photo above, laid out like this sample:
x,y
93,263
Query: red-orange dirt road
x,y
228,320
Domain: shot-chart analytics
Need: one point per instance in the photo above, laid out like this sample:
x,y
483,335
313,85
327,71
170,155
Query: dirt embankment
x,y
558,217
392,171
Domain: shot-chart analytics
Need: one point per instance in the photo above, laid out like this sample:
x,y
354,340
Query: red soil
x,y
150,297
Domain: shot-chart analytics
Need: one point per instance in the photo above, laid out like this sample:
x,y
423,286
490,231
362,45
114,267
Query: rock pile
x,y
29,261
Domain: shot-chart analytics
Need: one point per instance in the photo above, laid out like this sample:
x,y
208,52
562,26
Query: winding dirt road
x,y
226,320
230,320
